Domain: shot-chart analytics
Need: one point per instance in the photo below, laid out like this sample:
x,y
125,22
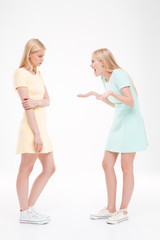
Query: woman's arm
x,y
92,93
23,93
127,97
30,103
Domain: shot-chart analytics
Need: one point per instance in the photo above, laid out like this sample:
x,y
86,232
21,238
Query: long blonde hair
x,y
31,46
106,57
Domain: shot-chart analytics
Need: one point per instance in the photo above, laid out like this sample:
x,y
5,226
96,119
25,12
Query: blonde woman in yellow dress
x,y
33,140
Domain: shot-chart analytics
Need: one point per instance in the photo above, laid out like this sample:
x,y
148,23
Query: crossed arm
x,y
126,98
29,105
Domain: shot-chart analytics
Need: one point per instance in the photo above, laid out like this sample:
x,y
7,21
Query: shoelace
x,y
36,211
34,214
104,210
123,210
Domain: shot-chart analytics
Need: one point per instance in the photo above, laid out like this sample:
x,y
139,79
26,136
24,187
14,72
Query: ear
x,y
102,65
29,54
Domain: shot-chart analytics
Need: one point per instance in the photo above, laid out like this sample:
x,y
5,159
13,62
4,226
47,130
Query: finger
x,y
40,146
26,99
99,98
40,149
36,147
37,150
24,104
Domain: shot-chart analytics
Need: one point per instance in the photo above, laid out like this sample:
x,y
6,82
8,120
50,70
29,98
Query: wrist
x,y
93,93
111,94
37,103
36,134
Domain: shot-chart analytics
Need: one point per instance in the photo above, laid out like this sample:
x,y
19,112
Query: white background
x,y
71,30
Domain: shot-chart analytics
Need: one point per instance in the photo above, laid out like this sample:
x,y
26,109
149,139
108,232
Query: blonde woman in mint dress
x,y
127,134
33,139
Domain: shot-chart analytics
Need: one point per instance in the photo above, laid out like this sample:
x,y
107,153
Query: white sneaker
x,y
34,209
29,216
120,216
101,214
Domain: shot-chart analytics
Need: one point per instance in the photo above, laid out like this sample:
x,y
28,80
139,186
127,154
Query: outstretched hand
x,y
104,95
84,95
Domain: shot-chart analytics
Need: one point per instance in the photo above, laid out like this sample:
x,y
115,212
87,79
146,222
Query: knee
x,y
126,169
27,170
106,166
52,170
49,171
30,170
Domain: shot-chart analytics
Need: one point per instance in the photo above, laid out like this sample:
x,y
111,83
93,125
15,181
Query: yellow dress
x,y
36,90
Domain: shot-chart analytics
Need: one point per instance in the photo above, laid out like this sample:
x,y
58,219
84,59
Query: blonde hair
x,y
106,57
31,46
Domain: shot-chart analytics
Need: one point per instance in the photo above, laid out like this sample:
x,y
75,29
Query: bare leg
x,y
128,178
108,163
26,166
48,165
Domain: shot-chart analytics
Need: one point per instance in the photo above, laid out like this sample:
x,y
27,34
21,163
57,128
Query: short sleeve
x,y
122,79
19,78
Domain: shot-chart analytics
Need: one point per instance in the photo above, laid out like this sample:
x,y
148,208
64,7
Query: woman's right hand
x,y
38,143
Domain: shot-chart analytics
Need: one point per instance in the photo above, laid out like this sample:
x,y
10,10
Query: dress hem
x,y
131,151
35,152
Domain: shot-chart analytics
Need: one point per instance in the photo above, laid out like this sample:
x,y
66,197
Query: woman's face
x,y
97,66
36,58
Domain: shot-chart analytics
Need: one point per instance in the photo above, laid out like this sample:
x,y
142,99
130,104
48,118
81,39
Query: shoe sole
x,y
96,218
119,221
31,222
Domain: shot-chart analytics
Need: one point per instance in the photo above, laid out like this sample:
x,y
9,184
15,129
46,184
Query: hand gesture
x,y
85,95
28,103
38,143
104,95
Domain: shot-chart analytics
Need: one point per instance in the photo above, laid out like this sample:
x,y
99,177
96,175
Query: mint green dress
x,y
127,133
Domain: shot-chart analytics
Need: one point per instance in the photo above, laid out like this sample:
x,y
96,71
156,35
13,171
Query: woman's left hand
x,y
104,95
29,103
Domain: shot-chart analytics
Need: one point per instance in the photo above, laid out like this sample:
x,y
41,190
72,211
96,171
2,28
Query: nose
x,y
91,65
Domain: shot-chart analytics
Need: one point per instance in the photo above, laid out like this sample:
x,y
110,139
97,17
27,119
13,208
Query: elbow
x,y
48,102
132,104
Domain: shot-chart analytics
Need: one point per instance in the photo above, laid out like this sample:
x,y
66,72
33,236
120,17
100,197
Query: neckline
x,y
29,71
109,78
